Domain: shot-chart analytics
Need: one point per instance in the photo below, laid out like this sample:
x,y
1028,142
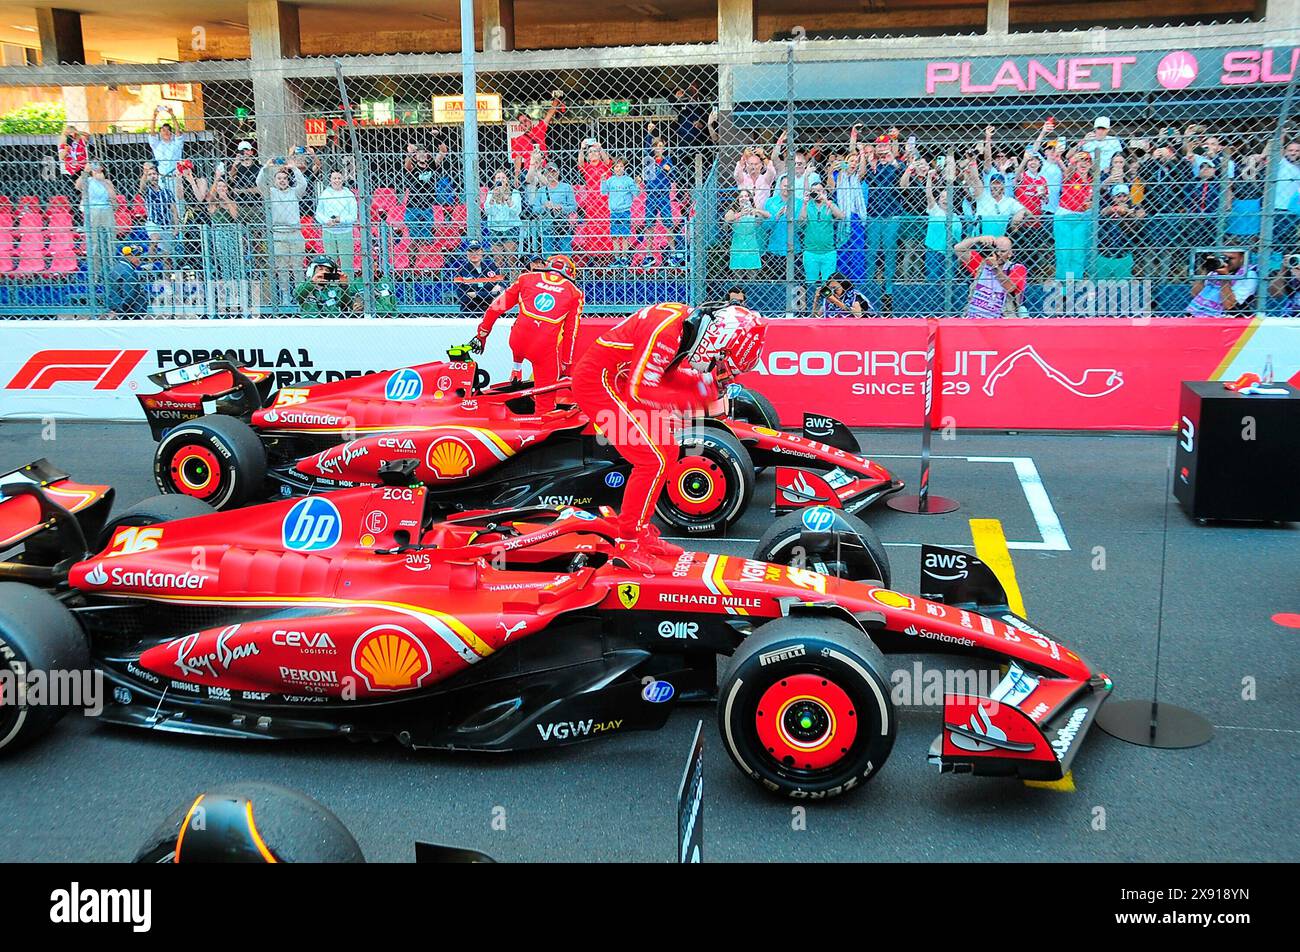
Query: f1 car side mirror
x,y
398,472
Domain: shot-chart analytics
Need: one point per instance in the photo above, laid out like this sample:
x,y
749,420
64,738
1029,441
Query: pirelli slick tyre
x,y
216,459
152,511
38,638
804,707
826,540
750,406
709,485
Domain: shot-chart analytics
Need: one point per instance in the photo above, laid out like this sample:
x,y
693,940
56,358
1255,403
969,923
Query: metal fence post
x,y
948,274
363,200
1271,173
469,94
789,179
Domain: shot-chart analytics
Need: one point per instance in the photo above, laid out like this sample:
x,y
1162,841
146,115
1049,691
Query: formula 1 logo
x,y
106,369
404,385
1095,382
313,524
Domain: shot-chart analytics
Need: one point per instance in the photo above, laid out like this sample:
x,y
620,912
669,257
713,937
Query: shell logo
x,y
450,458
390,658
892,599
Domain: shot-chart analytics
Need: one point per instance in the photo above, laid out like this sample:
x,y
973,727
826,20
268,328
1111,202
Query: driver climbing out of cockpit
x,y
550,305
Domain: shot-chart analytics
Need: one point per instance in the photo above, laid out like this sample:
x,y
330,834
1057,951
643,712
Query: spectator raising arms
x,y
755,173
160,213
99,210
942,230
746,235
997,212
283,186
885,178
1072,228
1117,234
998,283
529,134
74,153
336,211
167,144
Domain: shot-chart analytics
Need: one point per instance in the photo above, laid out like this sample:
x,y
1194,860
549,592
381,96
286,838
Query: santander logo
x,y
1177,70
97,575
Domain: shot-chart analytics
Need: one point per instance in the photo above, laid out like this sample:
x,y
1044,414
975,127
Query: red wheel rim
x,y
195,472
806,722
696,485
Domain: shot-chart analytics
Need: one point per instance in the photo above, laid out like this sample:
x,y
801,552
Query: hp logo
x,y
312,524
818,518
614,480
657,692
544,302
404,385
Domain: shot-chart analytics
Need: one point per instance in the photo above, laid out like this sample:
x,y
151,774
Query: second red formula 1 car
x,y
226,439
355,615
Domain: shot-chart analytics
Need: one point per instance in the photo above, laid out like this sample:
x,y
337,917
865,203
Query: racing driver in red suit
x,y
633,380
550,305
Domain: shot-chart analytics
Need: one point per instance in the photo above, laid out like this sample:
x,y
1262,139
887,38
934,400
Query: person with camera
x,y
325,292
1224,285
167,145
746,252
817,220
838,298
1117,234
998,282
1285,286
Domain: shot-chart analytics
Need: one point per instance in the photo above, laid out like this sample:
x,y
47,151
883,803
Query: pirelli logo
x,y
781,654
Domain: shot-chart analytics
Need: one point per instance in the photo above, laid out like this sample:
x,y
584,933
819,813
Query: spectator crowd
x,y
846,219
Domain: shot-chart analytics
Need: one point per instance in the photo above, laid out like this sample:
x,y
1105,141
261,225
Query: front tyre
x,y
804,707
37,635
709,485
216,459
826,540
750,406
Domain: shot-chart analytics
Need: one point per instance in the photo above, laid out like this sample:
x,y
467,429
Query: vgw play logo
x,y
312,525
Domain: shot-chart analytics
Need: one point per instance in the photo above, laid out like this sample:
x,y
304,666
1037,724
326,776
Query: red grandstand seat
x,y
28,203
6,242
384,205
6,205
31,243
400,253
138,210
311,235
63,251
122,217
426,258
59,202
60,218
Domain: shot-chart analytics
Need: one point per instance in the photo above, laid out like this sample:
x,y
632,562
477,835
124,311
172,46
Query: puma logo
x,y
511,630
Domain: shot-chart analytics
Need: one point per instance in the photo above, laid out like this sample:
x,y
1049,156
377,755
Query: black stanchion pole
x,y
923,504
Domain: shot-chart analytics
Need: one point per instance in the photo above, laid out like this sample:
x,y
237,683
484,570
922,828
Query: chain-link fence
x,y
800,175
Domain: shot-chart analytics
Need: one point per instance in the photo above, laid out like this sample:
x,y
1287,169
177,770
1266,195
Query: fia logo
x,y
404,384
313,524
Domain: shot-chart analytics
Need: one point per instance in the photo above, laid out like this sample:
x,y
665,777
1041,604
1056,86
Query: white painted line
x,y
1262,730
901,545
1040,503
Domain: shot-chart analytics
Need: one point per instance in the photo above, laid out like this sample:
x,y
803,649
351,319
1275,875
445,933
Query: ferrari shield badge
x,y
628,594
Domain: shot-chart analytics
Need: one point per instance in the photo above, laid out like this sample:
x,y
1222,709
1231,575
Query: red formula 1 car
x,y
226,439
357,615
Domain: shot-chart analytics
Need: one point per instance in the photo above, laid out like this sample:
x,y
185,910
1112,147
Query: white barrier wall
x,y
93,369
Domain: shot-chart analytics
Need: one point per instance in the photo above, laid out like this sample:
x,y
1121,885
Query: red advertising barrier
x,y
1058,373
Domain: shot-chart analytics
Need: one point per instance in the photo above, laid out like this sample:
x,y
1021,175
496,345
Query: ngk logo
x,y
106,369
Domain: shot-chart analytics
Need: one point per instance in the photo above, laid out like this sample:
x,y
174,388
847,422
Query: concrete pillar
x,y
272,37
1281,13
60,33
999,18
498,24
736,21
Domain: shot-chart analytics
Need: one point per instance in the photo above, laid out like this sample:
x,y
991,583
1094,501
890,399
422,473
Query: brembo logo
x,y
106,369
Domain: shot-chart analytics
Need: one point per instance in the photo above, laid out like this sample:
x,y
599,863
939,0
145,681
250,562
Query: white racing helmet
x,y
724,337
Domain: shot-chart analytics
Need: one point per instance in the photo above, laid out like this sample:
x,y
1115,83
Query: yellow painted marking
x,y
991,549
1233,351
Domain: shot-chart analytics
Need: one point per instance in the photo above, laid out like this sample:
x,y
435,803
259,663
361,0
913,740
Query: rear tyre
x,y
750,406
37,633
152,511
804,707
709,485
216,459
851,549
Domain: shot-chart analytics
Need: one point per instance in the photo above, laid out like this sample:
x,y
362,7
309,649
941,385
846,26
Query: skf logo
x,y
107,369
628,594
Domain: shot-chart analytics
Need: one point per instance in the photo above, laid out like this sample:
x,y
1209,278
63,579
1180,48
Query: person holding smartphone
x,y
336,211
817,219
